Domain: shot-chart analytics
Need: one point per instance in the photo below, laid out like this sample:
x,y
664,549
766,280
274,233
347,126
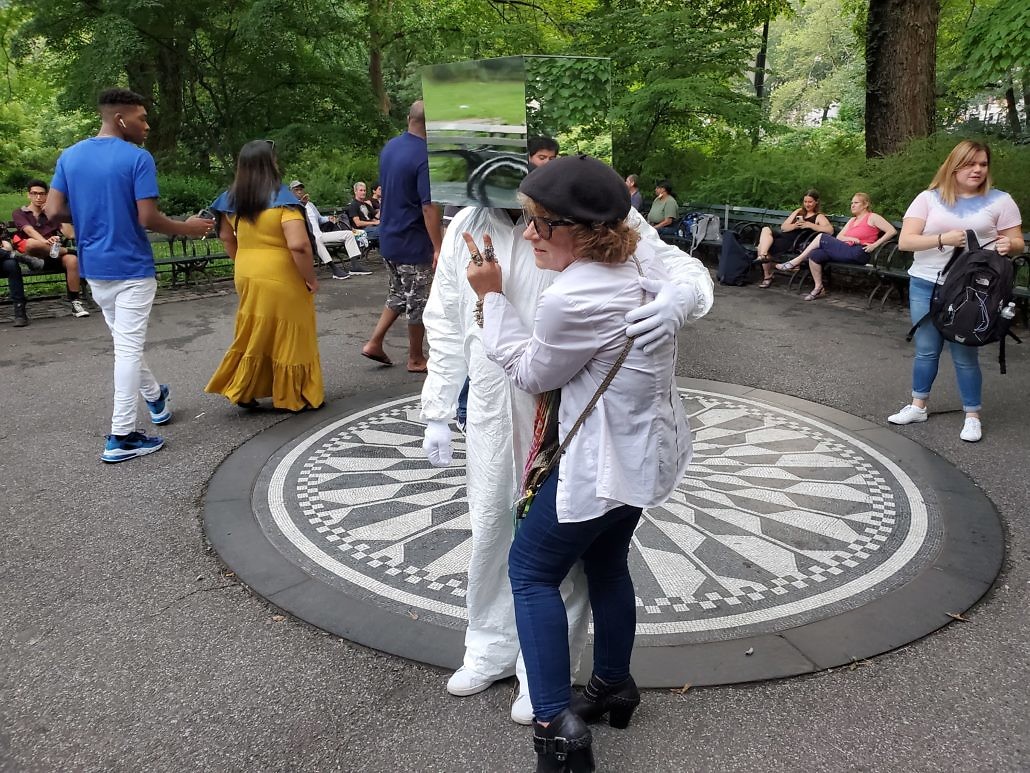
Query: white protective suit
x,y
500,418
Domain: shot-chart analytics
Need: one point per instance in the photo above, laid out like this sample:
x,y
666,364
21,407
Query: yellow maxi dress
x,y
274,352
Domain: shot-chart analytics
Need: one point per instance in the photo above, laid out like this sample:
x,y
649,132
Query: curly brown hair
x,y
599,242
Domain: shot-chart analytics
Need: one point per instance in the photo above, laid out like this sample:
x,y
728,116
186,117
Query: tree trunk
x,y
164,134
1026,97
1011,110
375,75
901,62
760,78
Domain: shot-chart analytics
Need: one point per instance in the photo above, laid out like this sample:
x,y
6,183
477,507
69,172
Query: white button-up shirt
x,y
635,445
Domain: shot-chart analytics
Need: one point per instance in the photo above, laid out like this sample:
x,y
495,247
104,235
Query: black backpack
x,y
734,261
969,296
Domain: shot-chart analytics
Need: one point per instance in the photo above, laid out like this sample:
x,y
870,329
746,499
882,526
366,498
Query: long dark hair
x,y
257,179
811,193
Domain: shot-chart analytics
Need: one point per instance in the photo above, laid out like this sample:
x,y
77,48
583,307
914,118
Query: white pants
x,y
126,305
336,237
496,413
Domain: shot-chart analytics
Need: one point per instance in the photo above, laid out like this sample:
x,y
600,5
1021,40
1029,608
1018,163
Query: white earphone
x,y
122,123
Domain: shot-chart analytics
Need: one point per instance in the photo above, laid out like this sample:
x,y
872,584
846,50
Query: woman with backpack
x,y
959,198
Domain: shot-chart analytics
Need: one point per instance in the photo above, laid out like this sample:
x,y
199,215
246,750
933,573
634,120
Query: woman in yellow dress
x,y
274,352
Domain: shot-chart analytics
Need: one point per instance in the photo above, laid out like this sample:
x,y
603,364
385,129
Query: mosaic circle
x,y
780,520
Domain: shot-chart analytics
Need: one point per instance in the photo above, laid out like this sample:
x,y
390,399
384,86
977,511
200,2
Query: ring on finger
x,y
489,255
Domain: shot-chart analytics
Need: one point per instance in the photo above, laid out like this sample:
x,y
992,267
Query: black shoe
x,y
21,319
619,701
339,272
563,746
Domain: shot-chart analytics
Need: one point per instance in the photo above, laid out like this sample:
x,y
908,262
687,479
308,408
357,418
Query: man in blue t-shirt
x,y
109,186
409,238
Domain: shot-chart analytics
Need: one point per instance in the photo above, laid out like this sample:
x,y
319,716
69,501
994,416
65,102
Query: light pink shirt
x,y
986,215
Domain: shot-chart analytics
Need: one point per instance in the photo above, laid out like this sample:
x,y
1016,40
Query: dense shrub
x,y
777,173
186,194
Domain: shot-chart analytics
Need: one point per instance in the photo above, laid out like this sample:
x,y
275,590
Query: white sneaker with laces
x,y
79,308
465,682
908,415
971,430
522,708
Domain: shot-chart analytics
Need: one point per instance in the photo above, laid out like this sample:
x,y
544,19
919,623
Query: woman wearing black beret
x,y
621,443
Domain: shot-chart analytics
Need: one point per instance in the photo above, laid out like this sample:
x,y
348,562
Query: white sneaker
x,y
79,308
465,681
971,430
522,708
908,415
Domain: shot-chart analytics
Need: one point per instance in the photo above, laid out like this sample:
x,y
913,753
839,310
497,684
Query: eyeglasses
x,y
543,226
37,193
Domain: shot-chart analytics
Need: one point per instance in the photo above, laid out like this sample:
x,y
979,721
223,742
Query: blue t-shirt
x,y
103,178
404,175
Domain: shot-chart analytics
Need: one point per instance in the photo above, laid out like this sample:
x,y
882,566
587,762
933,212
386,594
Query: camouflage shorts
x,y
409,288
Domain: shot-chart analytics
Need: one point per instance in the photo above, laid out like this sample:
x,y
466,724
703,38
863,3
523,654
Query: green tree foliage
x,y
217,75
678,78
816,61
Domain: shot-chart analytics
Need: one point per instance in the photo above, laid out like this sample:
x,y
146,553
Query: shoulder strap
x,y
597,395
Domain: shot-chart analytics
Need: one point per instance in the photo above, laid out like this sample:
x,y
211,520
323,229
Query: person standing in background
x,y
109,185
960,198
409,238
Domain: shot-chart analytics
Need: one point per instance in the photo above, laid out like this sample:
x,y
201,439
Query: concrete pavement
x,y
126,647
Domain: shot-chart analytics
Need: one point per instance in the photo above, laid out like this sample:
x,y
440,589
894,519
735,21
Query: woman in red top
x,y
862,235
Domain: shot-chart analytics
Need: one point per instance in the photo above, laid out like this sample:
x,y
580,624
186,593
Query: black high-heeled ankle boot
x,y
619,701
563,746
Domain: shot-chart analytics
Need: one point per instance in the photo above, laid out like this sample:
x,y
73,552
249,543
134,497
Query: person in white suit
x,y
500,422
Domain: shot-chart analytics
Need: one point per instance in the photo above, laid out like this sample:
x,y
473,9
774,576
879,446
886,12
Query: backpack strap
x,y
915,327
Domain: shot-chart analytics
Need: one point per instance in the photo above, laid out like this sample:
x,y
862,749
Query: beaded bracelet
x,y
477,313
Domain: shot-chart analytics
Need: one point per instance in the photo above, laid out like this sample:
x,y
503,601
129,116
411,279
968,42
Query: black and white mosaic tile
x,y
782,519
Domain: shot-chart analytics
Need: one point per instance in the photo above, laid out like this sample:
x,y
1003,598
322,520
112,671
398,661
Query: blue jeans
x,y
461,414
10,270
542,554
929,344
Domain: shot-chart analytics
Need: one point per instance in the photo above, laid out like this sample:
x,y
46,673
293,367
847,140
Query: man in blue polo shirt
x,y
109,185
409,238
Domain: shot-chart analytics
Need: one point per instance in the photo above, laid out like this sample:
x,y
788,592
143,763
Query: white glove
x,y
437,443
653,323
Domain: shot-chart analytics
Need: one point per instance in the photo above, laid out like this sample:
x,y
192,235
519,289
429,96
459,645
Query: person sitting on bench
x,y
362,212
664,210
862,235
807,217
324,239
11,271
37,237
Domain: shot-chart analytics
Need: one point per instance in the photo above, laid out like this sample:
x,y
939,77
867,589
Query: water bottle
x,y
55,249
1009,312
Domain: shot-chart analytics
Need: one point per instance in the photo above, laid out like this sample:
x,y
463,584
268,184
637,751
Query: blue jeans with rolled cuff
x,y
542,554
929,344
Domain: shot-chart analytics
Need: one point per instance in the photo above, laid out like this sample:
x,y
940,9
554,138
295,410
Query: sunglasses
x,y
544,227
271,143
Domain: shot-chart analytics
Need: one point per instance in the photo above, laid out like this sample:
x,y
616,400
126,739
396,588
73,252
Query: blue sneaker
x,y
160,413
129,447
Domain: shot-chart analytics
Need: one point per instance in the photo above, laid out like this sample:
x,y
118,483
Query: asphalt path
x,y
126,645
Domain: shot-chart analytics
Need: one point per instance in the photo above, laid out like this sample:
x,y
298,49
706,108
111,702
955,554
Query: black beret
x,y
579,188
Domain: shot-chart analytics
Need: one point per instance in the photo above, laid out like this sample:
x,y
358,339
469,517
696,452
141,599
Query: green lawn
x,y
501,102
10,201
